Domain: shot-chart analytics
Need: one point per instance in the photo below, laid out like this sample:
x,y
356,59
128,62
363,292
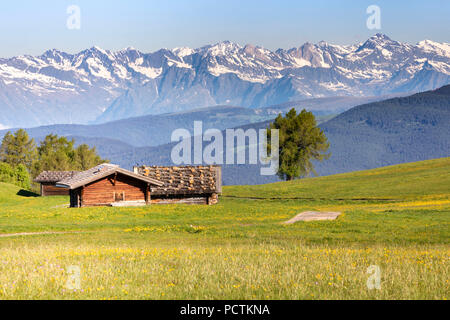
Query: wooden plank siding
x,y
49,189
104,191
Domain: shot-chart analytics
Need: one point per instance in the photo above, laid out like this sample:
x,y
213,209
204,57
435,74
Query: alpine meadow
x,y
239,248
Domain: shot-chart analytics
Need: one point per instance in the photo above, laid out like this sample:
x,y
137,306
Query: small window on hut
x,y
119,196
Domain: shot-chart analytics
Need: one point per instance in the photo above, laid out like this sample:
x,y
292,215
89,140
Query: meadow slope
x,y
394,217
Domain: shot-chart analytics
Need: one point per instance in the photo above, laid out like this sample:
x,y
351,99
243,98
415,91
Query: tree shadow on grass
x,y
26,193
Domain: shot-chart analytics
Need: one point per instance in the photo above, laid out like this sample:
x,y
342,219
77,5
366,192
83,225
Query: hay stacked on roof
x,y
186,180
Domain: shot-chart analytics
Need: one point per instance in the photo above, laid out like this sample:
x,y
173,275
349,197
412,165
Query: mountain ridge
x,y
97,85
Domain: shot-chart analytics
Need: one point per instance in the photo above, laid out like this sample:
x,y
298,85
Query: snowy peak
x,y
310,55
183,51
222,48
380,42
380,37
54,54
429,46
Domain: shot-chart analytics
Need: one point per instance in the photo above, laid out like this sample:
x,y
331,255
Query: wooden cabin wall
x,y
49,189
102,192
209,199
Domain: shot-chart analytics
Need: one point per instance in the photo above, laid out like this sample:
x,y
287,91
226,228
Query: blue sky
x,y
31,27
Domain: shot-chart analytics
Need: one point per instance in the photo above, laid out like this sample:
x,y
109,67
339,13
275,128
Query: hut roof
x,y
184,179
100,172
54,176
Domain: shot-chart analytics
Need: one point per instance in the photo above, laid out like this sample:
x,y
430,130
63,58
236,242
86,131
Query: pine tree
x,y
17,149
301,141
58,154
86,158
55,154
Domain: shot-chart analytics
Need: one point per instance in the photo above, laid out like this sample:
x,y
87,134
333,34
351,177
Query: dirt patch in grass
x,y
313,216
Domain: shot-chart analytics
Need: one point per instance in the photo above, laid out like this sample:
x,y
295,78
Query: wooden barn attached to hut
x,y
184,184
109,185
48,180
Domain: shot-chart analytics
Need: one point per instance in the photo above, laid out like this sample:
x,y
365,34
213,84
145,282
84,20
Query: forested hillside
x,y
377,134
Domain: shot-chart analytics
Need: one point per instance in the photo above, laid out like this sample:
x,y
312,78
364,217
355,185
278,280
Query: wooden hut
x,y
109,185
48,180
184,184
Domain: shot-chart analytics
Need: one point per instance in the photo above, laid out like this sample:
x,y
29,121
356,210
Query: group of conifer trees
x,y
21,159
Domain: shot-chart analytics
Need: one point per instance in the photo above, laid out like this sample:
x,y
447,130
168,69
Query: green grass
x,y
395,217
401,182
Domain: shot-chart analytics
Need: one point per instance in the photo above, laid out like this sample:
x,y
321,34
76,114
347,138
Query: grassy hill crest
x,y
408,180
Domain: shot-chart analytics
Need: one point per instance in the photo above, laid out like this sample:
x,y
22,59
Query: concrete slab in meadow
x,y
314,216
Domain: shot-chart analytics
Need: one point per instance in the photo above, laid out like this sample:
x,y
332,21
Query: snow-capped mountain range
x,y
99,85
